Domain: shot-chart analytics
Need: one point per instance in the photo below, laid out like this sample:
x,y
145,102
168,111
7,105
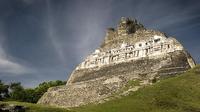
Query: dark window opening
x,y
168,46
156,40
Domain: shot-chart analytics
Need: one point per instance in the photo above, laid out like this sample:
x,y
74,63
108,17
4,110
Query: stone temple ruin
x,y
124,51
128,53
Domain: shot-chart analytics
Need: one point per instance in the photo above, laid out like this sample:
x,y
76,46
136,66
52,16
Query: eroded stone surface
x,y
129,53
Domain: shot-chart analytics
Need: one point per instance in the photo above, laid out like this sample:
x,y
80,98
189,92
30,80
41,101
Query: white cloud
x,y
10,66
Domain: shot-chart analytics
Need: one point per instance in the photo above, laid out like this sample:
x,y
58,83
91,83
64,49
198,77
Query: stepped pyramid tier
x,y
129,52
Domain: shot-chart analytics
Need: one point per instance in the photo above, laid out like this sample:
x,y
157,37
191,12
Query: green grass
x,y
37,108
175,94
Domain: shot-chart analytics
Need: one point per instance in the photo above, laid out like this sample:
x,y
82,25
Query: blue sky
x,y
42,40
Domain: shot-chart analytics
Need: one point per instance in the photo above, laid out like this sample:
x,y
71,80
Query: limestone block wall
x,y
156,45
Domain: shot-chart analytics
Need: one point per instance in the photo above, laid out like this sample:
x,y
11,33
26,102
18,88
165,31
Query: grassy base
x,y
175,94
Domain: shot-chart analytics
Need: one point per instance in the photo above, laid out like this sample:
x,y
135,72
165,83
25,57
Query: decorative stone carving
x,y
156,45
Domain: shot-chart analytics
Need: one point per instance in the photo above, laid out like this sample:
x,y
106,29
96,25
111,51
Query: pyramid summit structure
x,y
128,53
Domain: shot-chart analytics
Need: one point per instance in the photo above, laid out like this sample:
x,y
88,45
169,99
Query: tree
x,y
17,92
3,91
30,96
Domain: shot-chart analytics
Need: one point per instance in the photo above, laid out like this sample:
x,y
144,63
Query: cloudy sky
x,y
42,40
